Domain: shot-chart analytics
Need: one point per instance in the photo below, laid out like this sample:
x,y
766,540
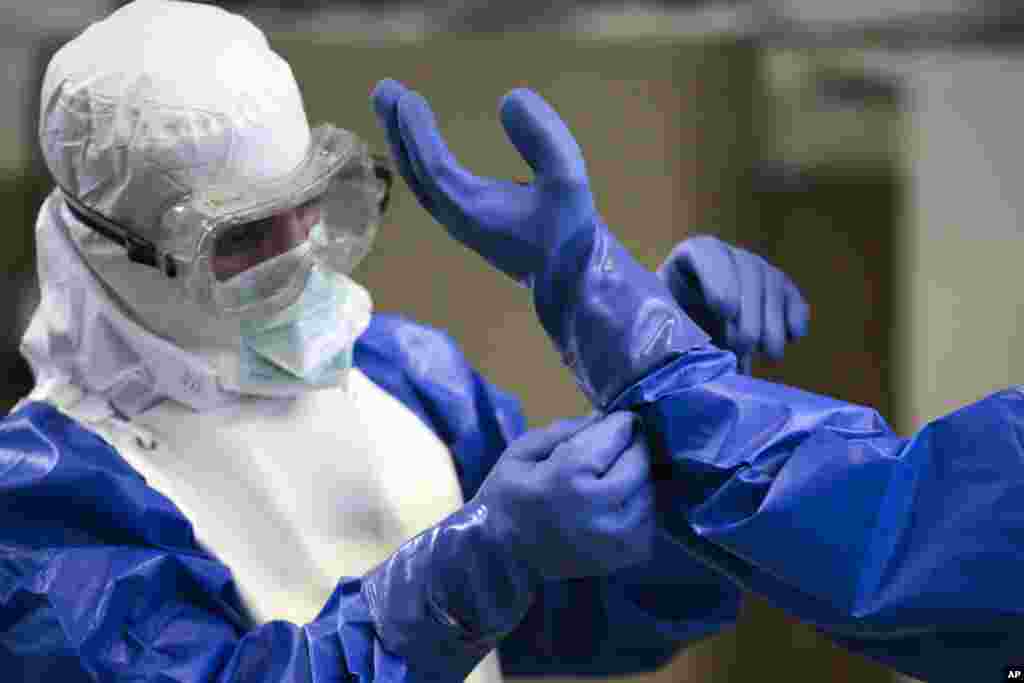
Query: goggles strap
x,y
140,250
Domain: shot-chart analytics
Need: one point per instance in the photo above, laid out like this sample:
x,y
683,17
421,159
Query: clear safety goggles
x,y
247,249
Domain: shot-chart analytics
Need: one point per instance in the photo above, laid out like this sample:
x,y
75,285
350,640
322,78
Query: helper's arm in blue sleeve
x,y
906,550
633,620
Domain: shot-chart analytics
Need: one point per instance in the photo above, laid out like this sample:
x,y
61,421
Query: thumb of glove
x,y
542,138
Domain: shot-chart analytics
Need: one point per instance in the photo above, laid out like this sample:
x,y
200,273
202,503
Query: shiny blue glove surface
x,y
613,321
737,297
572,500
511,225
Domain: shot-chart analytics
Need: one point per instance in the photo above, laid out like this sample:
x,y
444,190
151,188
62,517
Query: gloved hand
x,y
613,321
737,297
511,225
572,500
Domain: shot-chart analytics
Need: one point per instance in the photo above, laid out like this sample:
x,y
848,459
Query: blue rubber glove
x,y
582,508
511,225
613,321
572,500
737,297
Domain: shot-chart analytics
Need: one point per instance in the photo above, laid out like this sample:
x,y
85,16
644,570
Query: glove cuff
x,y
446,598
612,320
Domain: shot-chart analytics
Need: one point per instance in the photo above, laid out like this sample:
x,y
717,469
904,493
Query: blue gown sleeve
x,y
631,621
905,550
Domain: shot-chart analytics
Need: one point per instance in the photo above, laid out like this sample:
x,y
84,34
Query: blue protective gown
x,y
101,578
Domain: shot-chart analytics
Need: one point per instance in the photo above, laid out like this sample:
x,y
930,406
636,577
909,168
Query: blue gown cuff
x,y
612,320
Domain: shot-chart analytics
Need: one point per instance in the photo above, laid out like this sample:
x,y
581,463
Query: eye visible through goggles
x,y
243,246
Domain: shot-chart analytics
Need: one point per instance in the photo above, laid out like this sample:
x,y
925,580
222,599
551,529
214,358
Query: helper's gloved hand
x,y
737,297
572,500
612,320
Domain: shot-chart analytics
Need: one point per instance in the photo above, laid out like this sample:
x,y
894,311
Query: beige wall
x,y
960,303
965,241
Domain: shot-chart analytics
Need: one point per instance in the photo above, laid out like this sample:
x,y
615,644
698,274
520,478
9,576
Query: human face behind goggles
x,y
249,244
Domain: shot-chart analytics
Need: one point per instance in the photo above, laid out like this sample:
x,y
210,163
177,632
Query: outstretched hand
x,y
511,225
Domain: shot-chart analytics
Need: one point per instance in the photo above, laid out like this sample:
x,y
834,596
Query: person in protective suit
x,y
906,550
230,470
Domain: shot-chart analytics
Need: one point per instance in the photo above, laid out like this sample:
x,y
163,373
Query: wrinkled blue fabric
x,y
905,550
101,578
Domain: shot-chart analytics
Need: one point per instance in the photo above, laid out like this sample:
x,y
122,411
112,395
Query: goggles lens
x,y
246,248
246,245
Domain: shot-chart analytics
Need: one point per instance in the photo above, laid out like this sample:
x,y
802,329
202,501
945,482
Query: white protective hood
x,y
161,98
157,100
82,336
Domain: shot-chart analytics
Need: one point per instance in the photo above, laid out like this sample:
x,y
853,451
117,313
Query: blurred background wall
x,y
871,150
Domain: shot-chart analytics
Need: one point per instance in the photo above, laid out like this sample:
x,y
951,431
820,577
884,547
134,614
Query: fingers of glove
x,y
439,173
678,274
538,444
596,447
631,527
700,274
716,270
798,312
638,515
750,322
773,336
542,138
385,104
630,474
